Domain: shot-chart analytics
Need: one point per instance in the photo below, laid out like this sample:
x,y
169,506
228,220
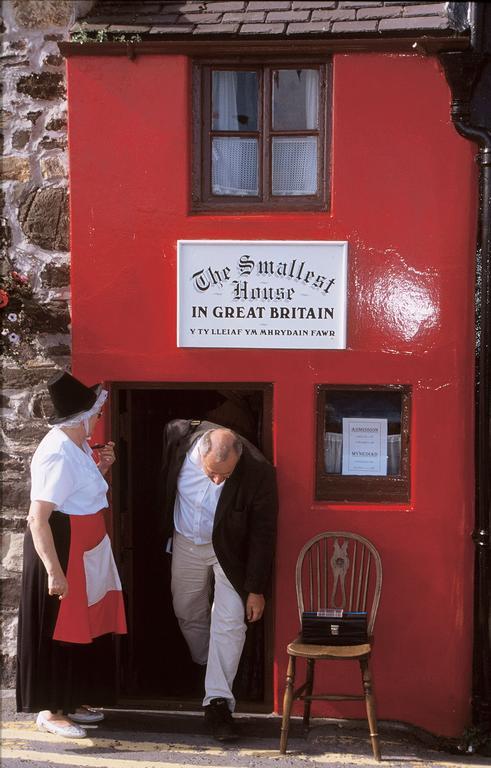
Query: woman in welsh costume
x,y
71,601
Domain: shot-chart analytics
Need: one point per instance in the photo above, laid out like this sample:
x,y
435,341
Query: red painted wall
x,y
403,195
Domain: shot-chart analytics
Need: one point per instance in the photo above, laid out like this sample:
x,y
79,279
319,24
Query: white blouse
x,y
67,476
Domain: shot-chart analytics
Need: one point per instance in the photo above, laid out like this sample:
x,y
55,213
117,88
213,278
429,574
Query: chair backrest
x,y
337,569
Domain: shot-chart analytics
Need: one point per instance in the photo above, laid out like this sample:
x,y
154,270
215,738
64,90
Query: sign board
x,y
364,446
262,294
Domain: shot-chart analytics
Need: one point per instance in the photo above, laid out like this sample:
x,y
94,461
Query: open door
x,y
155,665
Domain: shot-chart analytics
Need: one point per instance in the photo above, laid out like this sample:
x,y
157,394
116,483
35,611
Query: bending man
x,y
220,504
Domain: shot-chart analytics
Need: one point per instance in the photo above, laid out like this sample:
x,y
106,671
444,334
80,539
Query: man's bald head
x,y
220,442
220,450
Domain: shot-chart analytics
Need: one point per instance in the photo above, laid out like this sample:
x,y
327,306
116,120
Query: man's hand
x,y
254,607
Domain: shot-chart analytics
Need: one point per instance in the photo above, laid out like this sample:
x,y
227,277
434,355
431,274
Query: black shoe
x,y
219,721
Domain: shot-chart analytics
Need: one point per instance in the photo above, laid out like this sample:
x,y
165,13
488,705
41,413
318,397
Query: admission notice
x,y
364,446
262,294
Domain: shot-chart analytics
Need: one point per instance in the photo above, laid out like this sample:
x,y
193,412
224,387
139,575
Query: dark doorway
x,y
155,665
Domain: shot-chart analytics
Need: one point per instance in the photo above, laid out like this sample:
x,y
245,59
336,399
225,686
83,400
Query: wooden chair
x,y
334,570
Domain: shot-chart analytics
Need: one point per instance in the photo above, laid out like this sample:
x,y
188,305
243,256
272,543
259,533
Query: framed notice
x,y
364,447
262,294
362,443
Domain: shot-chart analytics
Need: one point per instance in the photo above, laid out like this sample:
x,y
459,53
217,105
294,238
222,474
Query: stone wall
x,y
35,270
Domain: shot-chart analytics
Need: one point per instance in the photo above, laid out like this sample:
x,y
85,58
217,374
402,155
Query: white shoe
x,y
68,731
88,716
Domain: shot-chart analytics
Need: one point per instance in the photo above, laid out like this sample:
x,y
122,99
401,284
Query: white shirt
x,y
196,499
67,476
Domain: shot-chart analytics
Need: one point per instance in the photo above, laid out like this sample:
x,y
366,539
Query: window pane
x,y
295,99
294,165
234,166
234,101
376,412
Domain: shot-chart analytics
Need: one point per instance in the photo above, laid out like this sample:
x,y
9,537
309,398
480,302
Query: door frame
x,y
121,430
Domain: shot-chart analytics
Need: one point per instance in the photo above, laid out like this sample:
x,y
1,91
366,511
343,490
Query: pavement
x,y
156,739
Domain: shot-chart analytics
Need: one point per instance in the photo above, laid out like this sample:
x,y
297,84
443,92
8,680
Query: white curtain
x,y
394,455
333,453
295,158
294,165
234,166
225,112
311,97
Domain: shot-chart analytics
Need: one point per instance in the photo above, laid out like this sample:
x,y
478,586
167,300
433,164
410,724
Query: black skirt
x,y
53,675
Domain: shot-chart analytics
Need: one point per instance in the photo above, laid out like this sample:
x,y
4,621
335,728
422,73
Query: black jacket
x,y
244,530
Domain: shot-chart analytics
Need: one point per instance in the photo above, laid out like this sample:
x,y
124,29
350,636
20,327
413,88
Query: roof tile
x,y
339,14
425,9
181,29
132,28
417,22
310,27
301,4
354,26
378,13
354,4
200,18
232,6
262,29
269,5
247,16
288,16
223,29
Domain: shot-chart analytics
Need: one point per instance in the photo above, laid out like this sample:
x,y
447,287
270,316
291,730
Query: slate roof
x,y
157,19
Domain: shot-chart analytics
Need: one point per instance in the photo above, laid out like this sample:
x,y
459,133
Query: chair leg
x,y
308,692
287,704
370,705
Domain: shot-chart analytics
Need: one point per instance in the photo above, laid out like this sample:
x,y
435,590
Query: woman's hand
x,y
38,520
106,457
57,584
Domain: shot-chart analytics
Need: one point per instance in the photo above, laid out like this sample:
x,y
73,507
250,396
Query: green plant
x,y
103,36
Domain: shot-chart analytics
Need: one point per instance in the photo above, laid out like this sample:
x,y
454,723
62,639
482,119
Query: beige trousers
x,y
215,635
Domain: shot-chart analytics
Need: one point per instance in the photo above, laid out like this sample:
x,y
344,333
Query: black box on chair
x,y
334,627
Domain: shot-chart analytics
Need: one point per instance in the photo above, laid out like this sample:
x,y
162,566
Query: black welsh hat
x,y
70,397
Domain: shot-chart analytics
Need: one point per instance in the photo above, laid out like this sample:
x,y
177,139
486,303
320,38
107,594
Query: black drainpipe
x,y
463,70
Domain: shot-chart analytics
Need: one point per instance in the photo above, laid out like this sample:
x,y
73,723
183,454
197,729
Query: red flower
x,y
4,299
22,279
